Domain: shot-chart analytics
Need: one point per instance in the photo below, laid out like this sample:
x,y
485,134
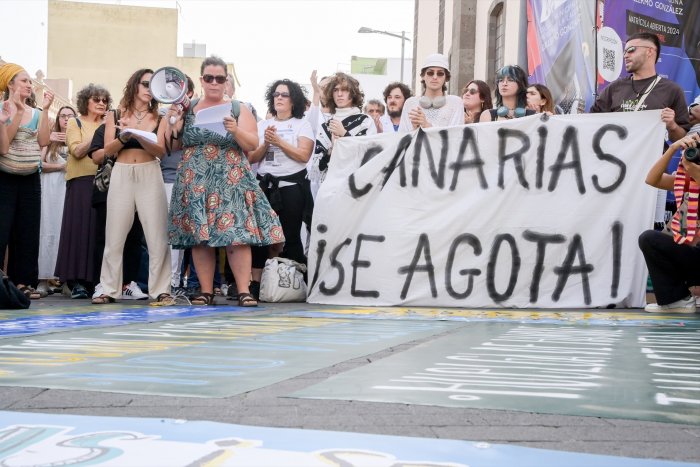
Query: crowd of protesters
x,y
244,196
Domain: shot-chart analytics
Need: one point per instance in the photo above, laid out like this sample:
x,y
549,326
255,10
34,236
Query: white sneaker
x,y
685,305
98,291
134,292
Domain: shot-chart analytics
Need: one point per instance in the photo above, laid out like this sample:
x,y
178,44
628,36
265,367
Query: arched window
x,y
496,36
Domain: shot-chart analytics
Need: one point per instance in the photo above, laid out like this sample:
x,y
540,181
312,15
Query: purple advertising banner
x,y
676,22
563,50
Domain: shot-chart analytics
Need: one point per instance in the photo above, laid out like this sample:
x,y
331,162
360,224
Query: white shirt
x,y
450,114
315,117
275,162
387,124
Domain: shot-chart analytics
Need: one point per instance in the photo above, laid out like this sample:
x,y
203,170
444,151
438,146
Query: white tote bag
x,y
283,281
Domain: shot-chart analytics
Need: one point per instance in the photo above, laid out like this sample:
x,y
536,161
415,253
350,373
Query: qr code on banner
x,y
608,59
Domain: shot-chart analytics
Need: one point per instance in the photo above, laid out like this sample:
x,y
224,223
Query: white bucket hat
x,y
436,60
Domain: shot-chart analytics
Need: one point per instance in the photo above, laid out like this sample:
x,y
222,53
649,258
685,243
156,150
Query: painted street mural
x,y
37,321
601,317
28,439
207,357
645,373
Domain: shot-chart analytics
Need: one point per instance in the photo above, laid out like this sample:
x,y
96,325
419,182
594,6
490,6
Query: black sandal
x,y
203,299
246,299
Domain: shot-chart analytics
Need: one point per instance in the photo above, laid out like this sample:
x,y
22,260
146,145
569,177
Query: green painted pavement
x,y
644,373
214,356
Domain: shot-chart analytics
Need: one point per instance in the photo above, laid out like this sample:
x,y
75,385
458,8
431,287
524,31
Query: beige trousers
x,y
136,188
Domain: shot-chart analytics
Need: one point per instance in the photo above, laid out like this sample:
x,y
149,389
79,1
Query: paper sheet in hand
x,y
212,118
148,135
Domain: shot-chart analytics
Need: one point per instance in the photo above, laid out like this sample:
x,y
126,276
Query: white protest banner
x,y
531,212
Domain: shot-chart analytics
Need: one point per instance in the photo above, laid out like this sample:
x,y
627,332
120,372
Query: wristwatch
x,y
121,140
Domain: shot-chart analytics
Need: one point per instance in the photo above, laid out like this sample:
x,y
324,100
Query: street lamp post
x,y
402,36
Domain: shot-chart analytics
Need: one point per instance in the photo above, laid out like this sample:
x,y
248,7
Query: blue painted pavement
x,y
40,439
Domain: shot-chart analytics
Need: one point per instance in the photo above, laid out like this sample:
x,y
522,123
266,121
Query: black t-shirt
x,y
622,95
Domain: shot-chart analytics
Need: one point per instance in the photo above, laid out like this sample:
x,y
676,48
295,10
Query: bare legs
x,y
240,259
205,262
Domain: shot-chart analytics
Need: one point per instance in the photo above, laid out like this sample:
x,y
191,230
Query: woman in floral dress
x,y
216,200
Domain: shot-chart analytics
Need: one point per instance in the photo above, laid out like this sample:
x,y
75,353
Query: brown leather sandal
x,y
246,299
29,292
102,300
164,299
203,299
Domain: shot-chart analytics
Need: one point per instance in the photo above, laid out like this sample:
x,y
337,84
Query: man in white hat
x,y
434,108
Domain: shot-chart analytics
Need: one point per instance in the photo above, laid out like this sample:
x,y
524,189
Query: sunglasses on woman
x,y
97,100
433,73
280,94
220,79
66,116
471,91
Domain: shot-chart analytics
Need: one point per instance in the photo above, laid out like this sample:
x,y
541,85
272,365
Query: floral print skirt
x,y
217,202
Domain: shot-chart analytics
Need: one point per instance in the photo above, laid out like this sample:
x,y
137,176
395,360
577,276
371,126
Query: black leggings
x,y
20,218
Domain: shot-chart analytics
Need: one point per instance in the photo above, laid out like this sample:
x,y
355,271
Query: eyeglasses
x,y
505,79
145,84
280,94
633,48
66,116
433,73
220,79
97,100
471,91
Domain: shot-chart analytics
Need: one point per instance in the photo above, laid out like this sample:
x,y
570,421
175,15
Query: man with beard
x,y
395,95
644,89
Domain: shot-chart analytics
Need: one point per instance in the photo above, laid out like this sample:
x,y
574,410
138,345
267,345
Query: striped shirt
x,y
24,155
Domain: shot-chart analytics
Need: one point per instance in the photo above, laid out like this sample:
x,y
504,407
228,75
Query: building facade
x,y
478,37
111,43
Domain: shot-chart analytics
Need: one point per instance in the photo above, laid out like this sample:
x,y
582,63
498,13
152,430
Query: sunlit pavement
x,y
594,381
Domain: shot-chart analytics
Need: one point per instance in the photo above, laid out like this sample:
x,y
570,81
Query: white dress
x,y
53,193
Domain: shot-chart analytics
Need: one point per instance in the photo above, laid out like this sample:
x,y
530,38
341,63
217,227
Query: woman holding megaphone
x,y
136,185
216,199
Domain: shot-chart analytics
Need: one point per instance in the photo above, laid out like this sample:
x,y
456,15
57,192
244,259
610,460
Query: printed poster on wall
x,y
529,212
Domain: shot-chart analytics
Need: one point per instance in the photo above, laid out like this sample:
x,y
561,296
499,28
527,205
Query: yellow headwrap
x,y
7,72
